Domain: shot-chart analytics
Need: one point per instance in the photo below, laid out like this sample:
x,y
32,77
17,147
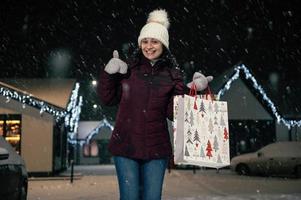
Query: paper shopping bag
x,y
201,132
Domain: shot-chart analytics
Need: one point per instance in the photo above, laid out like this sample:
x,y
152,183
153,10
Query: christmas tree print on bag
x,y
201,132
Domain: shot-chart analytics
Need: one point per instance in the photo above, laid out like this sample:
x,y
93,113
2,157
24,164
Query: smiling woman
x,y
144,87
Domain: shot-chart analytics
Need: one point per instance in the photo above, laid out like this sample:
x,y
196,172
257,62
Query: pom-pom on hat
x,y
156,27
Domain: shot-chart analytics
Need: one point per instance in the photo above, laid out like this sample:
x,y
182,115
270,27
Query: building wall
x,y
284,134
38,143
281,132
242,104
36,135
298,133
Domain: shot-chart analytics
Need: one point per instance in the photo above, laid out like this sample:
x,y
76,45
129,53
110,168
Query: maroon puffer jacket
x,y
145,97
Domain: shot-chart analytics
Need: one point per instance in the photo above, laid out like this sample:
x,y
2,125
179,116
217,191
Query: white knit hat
x,y
156,27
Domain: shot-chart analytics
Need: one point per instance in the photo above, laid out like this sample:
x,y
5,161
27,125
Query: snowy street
x,y
99,182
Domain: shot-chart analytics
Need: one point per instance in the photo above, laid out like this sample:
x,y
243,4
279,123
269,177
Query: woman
x,y
144,90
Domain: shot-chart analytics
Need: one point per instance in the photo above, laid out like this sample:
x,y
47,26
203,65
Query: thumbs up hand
x,y
116,65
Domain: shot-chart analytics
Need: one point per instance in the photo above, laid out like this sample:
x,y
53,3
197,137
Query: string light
x,y
70,115
75,118
25,99
258,88
102,124
73,112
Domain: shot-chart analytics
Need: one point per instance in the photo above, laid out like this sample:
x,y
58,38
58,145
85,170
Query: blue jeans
x,y
140,179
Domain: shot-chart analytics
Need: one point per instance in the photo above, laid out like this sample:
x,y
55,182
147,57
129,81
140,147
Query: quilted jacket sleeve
x,y
109,88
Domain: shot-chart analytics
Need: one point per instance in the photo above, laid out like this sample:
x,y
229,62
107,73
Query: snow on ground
x,y
98,182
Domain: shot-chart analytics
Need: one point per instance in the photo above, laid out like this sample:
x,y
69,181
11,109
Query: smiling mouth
x,y
150,52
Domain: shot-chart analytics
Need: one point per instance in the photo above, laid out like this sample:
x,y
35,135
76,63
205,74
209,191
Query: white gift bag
x,y
201,132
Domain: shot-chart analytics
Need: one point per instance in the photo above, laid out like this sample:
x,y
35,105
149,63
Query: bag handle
x,y
192,91
209,93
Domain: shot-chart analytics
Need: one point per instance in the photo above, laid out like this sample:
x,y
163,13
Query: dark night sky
x,y
214,34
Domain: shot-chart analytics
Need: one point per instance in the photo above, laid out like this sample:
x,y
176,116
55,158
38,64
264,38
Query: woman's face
x,y
151,48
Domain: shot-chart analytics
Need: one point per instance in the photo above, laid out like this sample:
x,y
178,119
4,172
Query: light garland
x,y
258,87
73,112
71,115
103,123
74,120
31,101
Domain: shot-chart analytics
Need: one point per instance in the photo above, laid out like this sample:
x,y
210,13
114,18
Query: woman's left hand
x,y
200,81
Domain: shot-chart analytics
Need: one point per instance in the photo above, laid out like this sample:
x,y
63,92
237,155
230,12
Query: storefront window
x,y
1,127
91,150
10,129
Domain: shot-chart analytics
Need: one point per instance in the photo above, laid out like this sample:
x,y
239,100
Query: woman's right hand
x,y
116,65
